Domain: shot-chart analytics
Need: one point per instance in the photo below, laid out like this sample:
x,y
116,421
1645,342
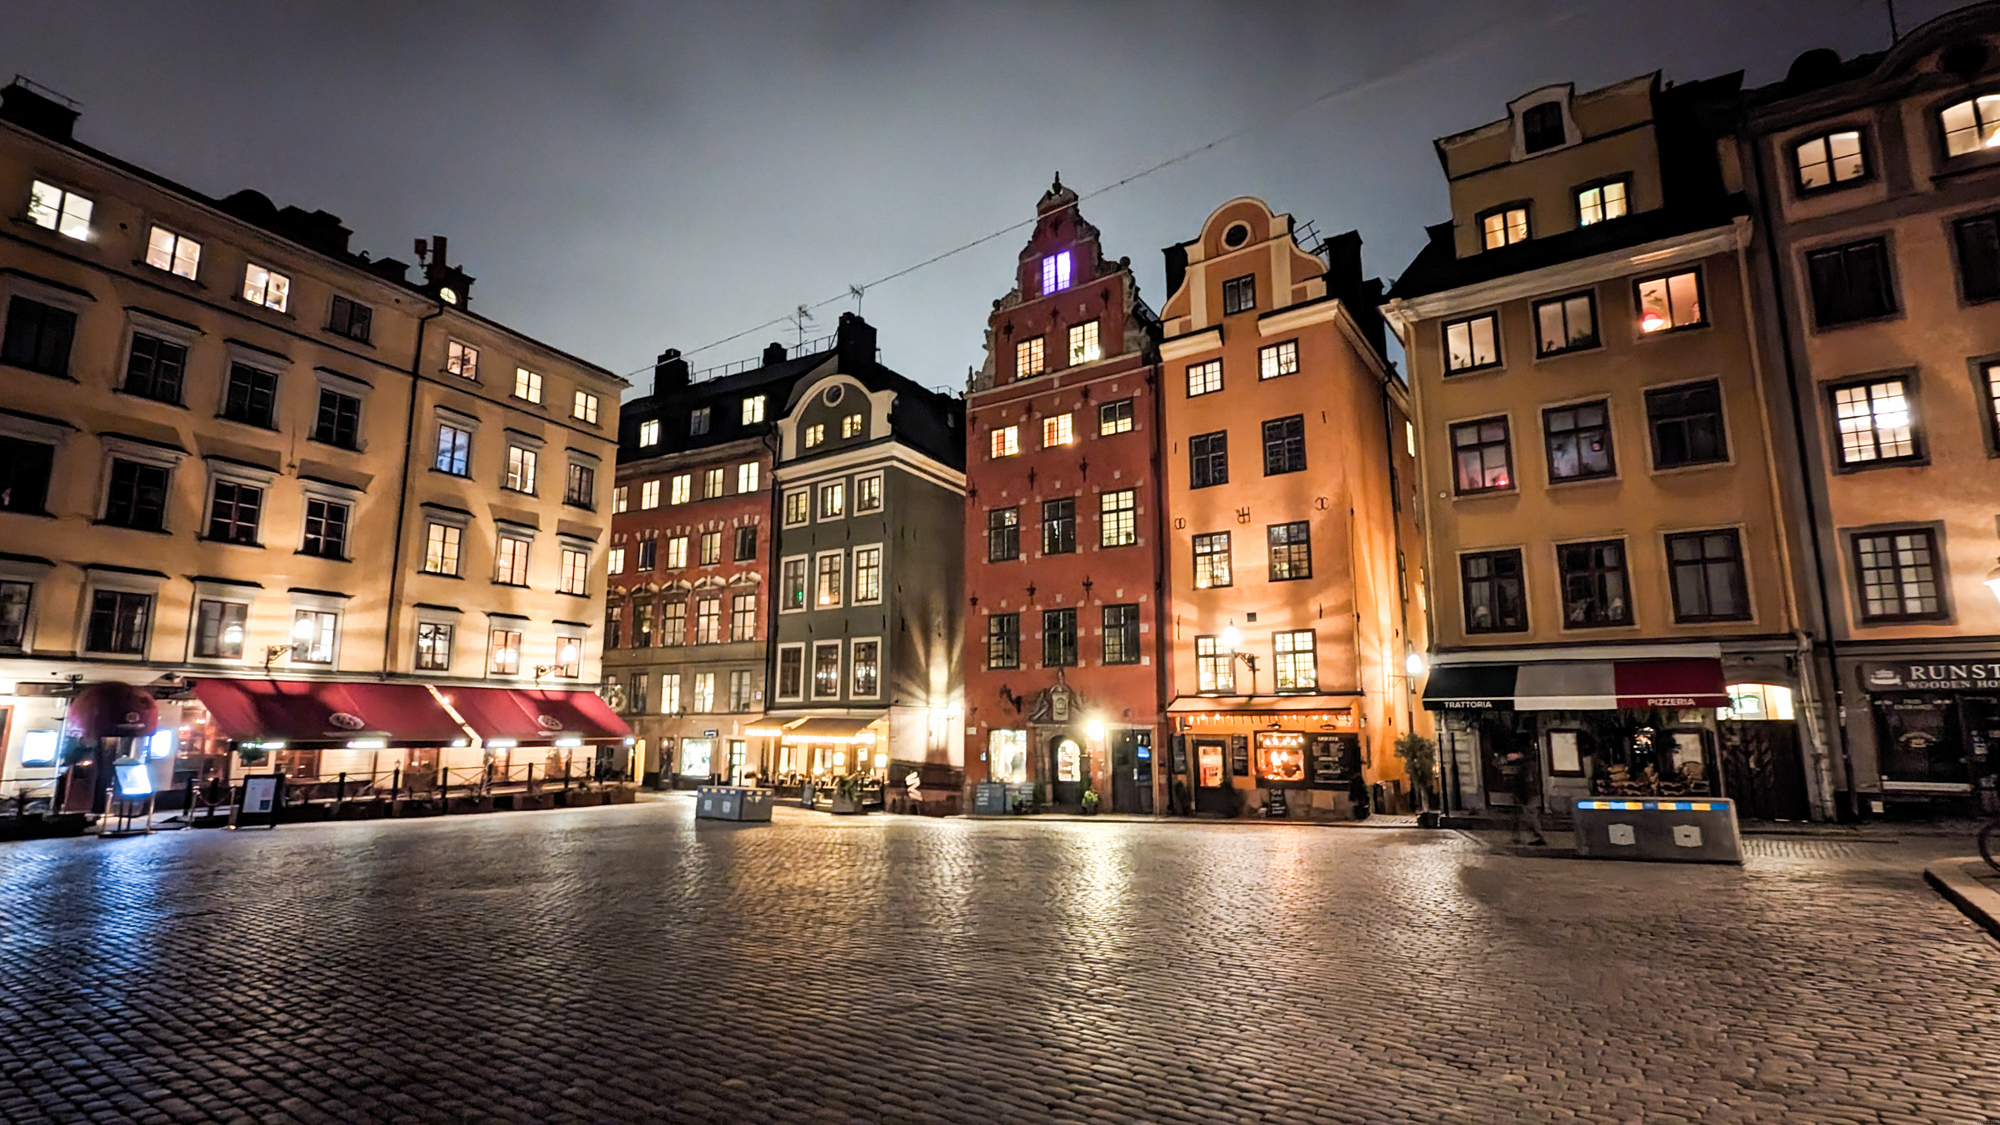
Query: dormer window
x,y
1055,272
64,212
1599,202
1503,226
1830,160
1969,126
1542,127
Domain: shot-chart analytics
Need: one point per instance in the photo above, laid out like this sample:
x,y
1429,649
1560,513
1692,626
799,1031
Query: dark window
x,y
1686,423
1851,283
1978,241
155,369
1495,599
1291,550
326,529
1239,294
648,554
38,337
1121,634
1579,441
1003,640
1483,454
791,672
339,421
1898,576
351,319
698,420
1003,534
118,622
25,467
746,543
1058,638
252,397
1593,584
580,489
1059,527
1541,127
1208,459
137,497
232,513
1708,581
218,629
15,597
1566,324
1285,445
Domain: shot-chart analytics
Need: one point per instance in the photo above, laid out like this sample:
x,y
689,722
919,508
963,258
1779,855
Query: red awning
x,y
535,715
112,710
1670,683
312,711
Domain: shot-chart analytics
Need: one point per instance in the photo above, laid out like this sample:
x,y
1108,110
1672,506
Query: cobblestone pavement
x,y
627,964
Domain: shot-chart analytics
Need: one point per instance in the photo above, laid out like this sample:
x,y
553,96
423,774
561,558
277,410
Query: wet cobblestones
x,y
626,964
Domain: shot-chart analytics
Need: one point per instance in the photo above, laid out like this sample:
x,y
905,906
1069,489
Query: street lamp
x,y
1231,638
1413,661
566,656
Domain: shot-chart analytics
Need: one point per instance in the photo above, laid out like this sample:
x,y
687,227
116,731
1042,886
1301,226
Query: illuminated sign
x,y
38,748
134,779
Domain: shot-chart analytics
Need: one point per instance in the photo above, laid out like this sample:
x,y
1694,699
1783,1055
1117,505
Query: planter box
x,y
847,806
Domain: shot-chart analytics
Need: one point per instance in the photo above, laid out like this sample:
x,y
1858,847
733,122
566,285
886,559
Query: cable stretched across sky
x,y
1464,47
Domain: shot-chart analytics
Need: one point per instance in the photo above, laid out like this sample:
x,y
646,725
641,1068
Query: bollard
x,y
531,779
340,795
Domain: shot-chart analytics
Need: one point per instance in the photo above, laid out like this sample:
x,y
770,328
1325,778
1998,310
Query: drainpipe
x,y
393,616
1162,588
1811,505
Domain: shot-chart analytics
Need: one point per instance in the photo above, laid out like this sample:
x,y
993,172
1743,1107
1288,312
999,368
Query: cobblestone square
x,y
631,964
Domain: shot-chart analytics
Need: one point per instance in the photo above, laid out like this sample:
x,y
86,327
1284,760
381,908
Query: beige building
x,y
1878,180
234,452
1605,547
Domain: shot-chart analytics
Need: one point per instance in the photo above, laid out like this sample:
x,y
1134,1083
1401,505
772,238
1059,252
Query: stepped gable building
x,y
1287,460
1877,183
1603,507
1063,561
268,504
687,625
868,631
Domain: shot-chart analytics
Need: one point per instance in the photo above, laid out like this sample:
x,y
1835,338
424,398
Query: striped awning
x,y
1577,685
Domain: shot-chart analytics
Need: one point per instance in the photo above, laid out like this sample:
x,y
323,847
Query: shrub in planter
x,y
847,794
1090,802
1420,761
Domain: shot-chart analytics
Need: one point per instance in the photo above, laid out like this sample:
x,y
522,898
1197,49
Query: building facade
x,y
868,632
1609,559
1876,181
227,446
1291,614
1063,553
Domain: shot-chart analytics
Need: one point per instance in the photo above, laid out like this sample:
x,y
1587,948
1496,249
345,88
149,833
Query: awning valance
x,y
535,715
1188,704
835,730
316,712
1577,685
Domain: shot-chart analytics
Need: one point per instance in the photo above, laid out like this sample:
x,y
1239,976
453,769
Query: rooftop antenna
x,y
800,318
857,292
1895,36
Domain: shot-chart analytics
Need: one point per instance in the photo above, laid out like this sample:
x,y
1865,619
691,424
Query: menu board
x,y
1239,755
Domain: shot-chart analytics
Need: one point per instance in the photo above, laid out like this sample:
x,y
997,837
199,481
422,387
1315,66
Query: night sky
x,y
624,178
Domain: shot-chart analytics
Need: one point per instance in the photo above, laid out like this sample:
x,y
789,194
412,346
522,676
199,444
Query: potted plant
x,y
1419,756
1090,802
847,795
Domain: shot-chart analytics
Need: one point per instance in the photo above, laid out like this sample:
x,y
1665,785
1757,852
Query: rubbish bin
x,y
732,802
989,798
1685,831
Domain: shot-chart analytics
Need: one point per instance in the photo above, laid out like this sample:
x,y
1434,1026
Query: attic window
x,y
1055,272
1236,235
1542,127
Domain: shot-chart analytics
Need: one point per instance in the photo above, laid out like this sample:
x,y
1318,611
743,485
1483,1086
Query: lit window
x,y
1204,378
1969,127
1566,324
1470,345
176,253
575,572
1504,227
1114,418
1483,456
792,585
1057,430
511,564
64,212
1055,271
746,477
682,490
1118,518
867,669
1211,561
743,617
815,434
677,553
313,633
833,500
1875,423
584,408
1290,545
649,432
1215,666
1599,202
649,495
527,385
1083,346
433,647
753,409
850,426
454,450
614,562
797,508
1029,359
1278,359
461,359
868,493
711,548
1297,665
1835,158
867,574
521,469
621,499
1006,441
826,670
712,481
569,657
505,652
708,621
1670,302
827,588
264,287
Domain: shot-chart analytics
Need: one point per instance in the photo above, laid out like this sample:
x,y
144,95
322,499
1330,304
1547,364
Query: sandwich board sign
x,y
260,801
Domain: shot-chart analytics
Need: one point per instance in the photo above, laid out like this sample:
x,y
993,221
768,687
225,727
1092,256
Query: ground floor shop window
x,y
697,757
1007,756
1281,756
1921,740
1208,763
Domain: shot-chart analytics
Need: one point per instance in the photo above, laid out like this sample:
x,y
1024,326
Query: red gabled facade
x,y
1062,529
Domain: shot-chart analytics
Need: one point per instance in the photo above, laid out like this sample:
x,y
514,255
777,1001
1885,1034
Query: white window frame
x,y
852,691
524,464
649,432
583,407
813,589
753,409
1275,361
1085,344
805,673
1058,430
1056,273
805,582
621,499
804,495
575,563
681,489
837,489
839,669
713,483
1006,442
860,492
527,543
854,582
649,495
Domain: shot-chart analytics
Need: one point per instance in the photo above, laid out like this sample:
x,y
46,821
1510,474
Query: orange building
x,y
1288,462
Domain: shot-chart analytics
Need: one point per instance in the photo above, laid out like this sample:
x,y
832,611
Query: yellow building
x,y
233,451
1877,180
1606,551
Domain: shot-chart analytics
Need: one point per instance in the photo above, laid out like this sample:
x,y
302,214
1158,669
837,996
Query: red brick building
x,y
1063,680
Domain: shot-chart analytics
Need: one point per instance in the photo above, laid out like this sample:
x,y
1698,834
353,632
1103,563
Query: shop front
x,y
1067,750
1545,733
1278,757
1935,726
808,755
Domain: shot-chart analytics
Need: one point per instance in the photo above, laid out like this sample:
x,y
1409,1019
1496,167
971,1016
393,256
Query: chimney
x,y
774,352
855,338
1343,263
39,110
442,280
670,372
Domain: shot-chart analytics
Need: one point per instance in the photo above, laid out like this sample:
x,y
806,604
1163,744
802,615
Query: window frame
x,y
1278,355
1311,656
1118,509
854,581
1228,566
251,390
1059,625
140,634
264,290
339,542
1824,134
1444,337
465,356
584,407
1059,430
1598,186
359,323
1651,395
229,611
1086,342
1239,294
1607,426
1624,572
1117,417
1562,302
447,549
1296,571
817,595
1002,640
62,220
1891,293
504,559
1127,632
804,575
838,650
1959,226
1740,577
1940,575
1006,523
1497,581
798,693
1215,456
1700,300
1942,135
854,668
1058,521
1919,445
1031,348
1506,444
153,363
1527,210
1206,367
529,386
173,252
442,634
1290,446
